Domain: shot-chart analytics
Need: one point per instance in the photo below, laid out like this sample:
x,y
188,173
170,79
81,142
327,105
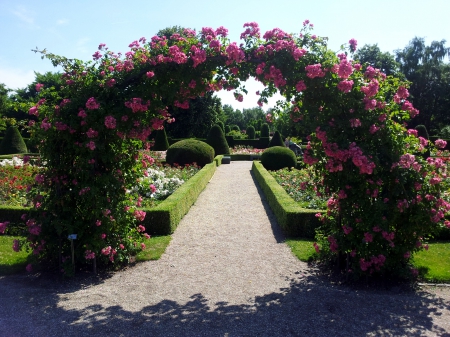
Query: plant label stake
x,y
72,237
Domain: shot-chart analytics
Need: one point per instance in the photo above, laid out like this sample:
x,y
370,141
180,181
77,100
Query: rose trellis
x,y
386,197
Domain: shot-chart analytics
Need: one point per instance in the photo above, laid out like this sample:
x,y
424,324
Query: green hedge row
x,y
164,218
261,143
242,157
293,219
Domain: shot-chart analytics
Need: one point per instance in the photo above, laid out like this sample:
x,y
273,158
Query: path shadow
x,y
308,307
276,229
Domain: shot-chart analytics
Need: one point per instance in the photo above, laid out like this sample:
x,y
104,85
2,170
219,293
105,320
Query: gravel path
x,y
226,272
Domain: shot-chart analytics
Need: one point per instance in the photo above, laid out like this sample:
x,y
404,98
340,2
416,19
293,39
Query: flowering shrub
x,y
385,197
242,149
161,181
15,177
299,184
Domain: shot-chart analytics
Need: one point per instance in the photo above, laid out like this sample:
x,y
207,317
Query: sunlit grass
x,y
433,265
154,248
11,262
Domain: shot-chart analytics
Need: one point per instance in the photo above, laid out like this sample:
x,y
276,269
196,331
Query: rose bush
x,y
386,196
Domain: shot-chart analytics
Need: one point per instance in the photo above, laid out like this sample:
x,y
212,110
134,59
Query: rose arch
x,y
385,196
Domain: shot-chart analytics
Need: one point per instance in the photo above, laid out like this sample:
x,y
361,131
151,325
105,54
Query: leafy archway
x,y
385,197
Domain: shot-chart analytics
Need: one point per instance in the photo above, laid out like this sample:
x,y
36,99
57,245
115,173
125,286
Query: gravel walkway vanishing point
x,y
226,272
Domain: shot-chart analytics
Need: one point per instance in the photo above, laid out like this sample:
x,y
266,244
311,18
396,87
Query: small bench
x,y
226,159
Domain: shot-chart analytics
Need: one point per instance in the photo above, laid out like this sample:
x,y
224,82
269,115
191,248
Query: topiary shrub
x,y
13,142
161,141
227,129
278,157
265,130
220,123
276,140
235,128
216,139
190,151
251,132
422,131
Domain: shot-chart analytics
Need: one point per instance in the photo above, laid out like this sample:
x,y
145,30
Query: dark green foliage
x,y
190,151
236,128
278,157
227,129
161,141
263,142
276,140
216,139
220,123
12,142
422,131
251,132
265,130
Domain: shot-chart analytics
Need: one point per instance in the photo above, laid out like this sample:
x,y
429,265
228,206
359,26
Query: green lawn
x,y
433,265
12,262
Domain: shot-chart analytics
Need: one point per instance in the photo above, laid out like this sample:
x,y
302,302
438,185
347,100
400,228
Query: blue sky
x,y
75,28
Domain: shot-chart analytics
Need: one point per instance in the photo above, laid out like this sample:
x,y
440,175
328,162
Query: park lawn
x,y
154,248
12,262
433,264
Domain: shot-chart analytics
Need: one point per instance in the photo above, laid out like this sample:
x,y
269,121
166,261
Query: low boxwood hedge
x,y
293,219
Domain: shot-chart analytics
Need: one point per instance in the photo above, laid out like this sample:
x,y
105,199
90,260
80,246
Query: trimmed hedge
x,y
164,218
278,157
12,142
190,151
293,219
243,157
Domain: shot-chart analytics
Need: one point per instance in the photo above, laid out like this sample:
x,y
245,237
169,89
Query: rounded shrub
x,y
235,128
265,130
216,139
422,131
278,157
190,151
276,140
161,142
13,142
227,129
220,123
251,132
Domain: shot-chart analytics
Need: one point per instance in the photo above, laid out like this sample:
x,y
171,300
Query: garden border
x,y
295,221
164,218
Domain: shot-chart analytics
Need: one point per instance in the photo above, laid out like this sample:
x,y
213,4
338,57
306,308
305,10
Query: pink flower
x,y
91,145
368,237
103,236
33,111
345,86
3,226
353,43
407,255
300,86
39,86
314,70
98,223
92,104
440,143
355,122
29,268
16,245
373,128
316,247
96,55
110,122
139,215
143,246
345,69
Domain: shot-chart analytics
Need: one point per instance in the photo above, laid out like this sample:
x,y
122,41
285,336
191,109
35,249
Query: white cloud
x,y
62,22
82,45
250,100
15,78
25,16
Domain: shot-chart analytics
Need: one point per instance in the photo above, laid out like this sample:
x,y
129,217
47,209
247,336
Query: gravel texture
x,y
226,272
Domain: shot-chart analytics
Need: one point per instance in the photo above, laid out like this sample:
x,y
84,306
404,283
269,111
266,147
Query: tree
x,y
372,55
233,117
4,101
196,121
430,81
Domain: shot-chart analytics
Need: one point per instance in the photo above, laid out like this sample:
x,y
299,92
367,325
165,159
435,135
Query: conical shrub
x,y
216,139
276,140
220,123
161,142
13,142
265,130
227,129
251,132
